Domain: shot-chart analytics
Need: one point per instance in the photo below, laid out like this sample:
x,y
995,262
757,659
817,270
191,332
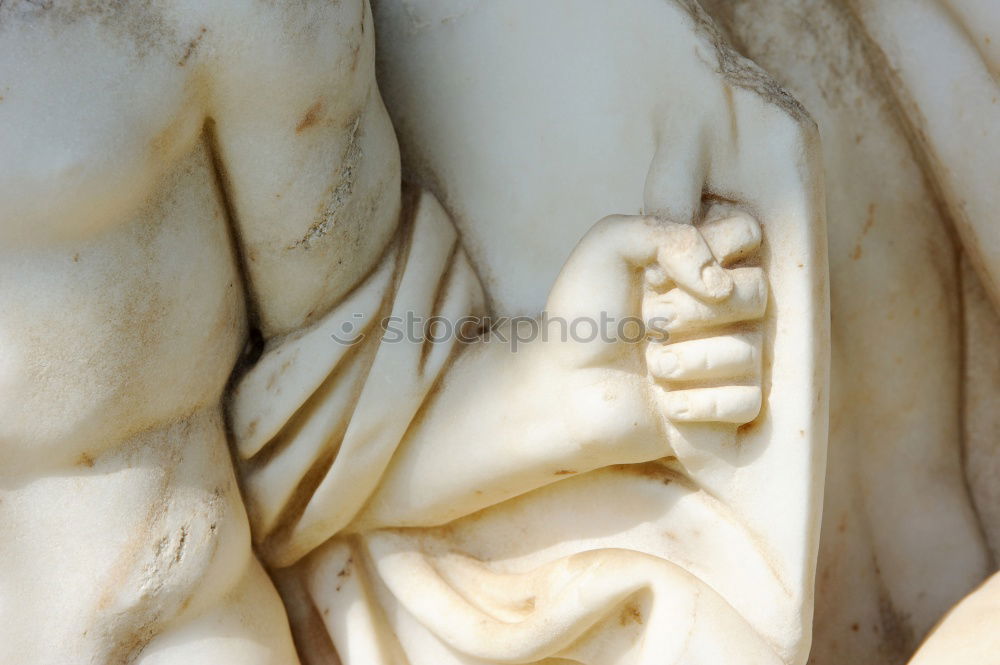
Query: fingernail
x,y
718,283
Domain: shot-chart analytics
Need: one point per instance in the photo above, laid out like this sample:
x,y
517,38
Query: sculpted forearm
x,y
502,424
505,422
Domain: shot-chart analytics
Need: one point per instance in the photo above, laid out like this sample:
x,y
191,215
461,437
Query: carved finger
x,y
726,356
728,404
732,237
600,274
687,260
676,176
678,311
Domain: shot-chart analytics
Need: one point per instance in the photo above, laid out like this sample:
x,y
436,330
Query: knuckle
x,y
747,227
613,224
606,223
687,232
677,236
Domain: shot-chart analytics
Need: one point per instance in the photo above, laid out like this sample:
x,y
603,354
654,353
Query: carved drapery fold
x,y
623,586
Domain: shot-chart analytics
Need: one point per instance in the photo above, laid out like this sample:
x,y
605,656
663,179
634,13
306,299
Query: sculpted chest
x,y
88,123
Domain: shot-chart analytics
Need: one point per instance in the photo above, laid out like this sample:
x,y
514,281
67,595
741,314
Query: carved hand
x,y
698,298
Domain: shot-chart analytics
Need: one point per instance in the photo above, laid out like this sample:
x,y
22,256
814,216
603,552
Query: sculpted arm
x,y
336,439
309,164
509,418
307,155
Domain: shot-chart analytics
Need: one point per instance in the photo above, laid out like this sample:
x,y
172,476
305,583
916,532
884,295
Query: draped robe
x,y
625,565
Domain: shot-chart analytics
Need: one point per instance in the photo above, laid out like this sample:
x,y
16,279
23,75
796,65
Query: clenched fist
x,y
699,296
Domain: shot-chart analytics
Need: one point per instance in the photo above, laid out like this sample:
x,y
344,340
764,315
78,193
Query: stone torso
x,y
122,317
117,266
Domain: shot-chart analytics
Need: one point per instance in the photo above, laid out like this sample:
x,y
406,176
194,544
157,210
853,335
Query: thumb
x,y
676,177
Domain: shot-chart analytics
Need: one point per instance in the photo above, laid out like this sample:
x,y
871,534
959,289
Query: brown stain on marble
x,y
275,376
345,573
869,223
191,47
310,118
897,637
139,22
630,614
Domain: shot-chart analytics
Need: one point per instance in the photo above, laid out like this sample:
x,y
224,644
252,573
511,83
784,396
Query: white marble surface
x,y
217,449
907,159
